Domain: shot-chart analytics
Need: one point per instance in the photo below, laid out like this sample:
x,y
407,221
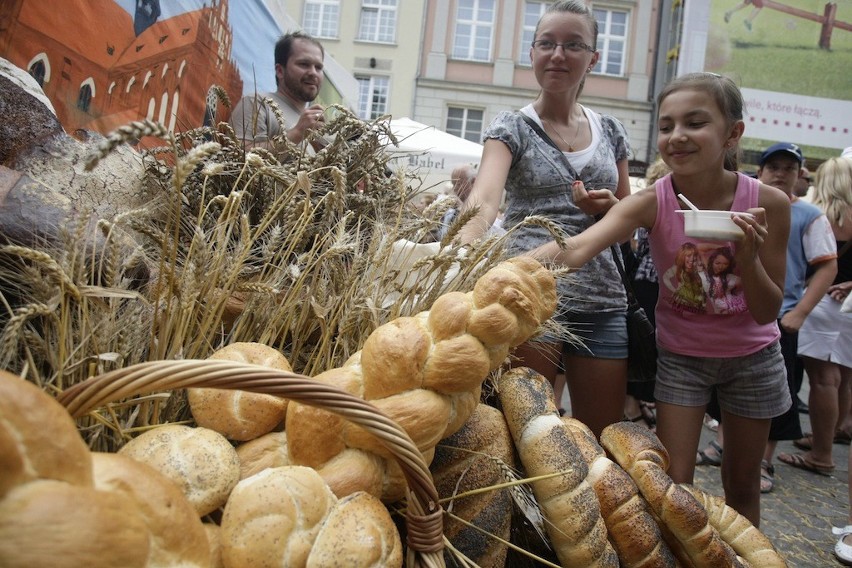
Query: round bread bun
x,y
270,450
38,438
357,532
272,518
214,540
241,415
178,537
201,461
56,524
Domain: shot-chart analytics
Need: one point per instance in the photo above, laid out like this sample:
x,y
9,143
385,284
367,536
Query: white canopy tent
x,y
429,153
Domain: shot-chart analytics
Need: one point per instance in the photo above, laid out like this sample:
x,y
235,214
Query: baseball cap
x,y
790,149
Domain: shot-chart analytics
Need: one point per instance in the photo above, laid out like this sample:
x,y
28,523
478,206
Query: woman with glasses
x,y
536,154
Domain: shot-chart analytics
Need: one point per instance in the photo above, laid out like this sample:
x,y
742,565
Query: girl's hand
x,y
592,201
755,230
840,291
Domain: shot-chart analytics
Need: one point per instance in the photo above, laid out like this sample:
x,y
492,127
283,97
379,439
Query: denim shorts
x,y
753,386
601,335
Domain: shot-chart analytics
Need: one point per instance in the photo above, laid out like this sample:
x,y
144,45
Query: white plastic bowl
x,y
712,225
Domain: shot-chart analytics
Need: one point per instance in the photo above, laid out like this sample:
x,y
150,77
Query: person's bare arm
x,y
822,278
637,210
762,253
487,190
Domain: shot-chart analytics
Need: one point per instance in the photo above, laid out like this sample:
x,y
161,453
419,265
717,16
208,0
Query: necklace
x,y
576,133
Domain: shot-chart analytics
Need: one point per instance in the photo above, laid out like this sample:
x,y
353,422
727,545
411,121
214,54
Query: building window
x,y
533,11
465,123
612,37
378,21
474,27
84,97
38,71
322,18
373,97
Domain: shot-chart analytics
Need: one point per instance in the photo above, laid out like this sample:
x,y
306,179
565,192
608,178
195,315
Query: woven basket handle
x,y
424,516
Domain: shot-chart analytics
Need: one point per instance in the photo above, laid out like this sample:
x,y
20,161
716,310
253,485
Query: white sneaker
x,y
842,550
711,423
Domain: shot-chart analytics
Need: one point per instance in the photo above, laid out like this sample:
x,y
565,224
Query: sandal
x,y
802,461
807,441
705,458
767,477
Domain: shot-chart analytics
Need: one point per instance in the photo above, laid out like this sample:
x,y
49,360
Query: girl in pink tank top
x,y
719,300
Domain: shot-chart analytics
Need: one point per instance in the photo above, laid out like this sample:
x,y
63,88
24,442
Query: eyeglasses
x,y
548,46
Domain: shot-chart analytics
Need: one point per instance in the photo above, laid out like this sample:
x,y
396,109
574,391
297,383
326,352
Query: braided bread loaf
x,y
568,502
633,531
425,372
683,521
745,538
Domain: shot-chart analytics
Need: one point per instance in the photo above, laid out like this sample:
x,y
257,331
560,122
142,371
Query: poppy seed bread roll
x,y
576,529
425,372
632,529
683,521
472,459
200,461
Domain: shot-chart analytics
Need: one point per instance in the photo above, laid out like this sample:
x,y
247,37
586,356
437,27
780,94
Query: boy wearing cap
x,y
811,244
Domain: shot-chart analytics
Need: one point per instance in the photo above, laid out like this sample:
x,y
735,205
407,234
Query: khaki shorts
x,y
753,386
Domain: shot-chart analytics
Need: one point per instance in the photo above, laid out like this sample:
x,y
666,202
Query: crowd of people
x,y
739,323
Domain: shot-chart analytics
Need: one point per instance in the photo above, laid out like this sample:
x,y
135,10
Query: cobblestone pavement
x,y
798,515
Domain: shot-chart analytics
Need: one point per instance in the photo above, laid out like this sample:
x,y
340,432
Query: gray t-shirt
x,y
252,119
539,183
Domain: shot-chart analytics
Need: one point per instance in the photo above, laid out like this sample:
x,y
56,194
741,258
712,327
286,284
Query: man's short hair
x,y
284,46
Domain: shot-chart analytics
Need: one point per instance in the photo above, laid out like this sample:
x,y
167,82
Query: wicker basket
x,y
424,516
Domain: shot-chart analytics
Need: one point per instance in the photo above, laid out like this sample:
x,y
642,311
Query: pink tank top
x,y
701,309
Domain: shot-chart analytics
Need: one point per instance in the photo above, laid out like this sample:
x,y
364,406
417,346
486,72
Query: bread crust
x,y
425,372
568,501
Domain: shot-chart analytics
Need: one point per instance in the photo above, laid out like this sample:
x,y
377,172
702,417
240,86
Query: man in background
x,y
299,76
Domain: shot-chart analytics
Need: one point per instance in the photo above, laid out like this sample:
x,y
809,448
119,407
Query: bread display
x,y
473,458
632,529
57,524
425,372
568,502
288,517
682,519
270,450
358,531
177,535
745,538
240,415
38,439
200,461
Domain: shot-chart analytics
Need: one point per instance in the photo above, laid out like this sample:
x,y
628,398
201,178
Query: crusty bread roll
x,y
633,531
269,450
568,501
38,438
240,415
57,524
177,535
202,462
684,522
472,459
425,372
745,538
214,540
273,518
358,531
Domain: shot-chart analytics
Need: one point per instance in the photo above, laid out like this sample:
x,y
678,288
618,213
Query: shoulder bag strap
x,y
539,130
